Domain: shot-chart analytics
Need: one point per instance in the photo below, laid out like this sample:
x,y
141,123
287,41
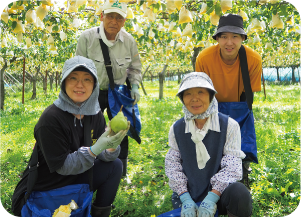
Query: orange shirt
x,y
227,79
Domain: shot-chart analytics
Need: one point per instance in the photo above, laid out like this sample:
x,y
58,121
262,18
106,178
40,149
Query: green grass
x,y
275,181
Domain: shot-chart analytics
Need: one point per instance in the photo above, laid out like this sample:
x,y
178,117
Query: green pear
x,y
119,122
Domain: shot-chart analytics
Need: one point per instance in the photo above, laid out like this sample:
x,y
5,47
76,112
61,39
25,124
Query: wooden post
x,y
161,81
23,91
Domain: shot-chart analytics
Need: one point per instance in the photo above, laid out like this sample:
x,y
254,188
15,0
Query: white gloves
x,y
135,93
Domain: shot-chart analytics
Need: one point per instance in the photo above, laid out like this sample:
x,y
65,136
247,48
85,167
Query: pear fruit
x,y
119,122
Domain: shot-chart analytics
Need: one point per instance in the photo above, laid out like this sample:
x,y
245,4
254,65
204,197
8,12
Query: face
x,y
196,100
112,23
79,86
230,44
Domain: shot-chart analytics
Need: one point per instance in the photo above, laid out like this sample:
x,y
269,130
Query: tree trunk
x,y
34,83
179,76
161,81
51,77
45,83
278,77
293,75
196,51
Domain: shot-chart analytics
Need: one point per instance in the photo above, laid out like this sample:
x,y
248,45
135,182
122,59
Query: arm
x,y
231,164
173,166
134,69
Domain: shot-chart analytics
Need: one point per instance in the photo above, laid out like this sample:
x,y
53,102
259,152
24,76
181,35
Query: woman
x,y
204,162
64,158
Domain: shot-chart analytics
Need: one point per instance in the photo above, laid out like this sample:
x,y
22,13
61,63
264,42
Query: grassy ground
x,y
275,181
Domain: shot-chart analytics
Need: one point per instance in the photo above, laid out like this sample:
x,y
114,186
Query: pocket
x,y
121,66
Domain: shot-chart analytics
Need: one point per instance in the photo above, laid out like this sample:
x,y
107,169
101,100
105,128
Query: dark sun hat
x,y
230,23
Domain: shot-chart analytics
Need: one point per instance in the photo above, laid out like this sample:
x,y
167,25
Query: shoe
x,y
100,211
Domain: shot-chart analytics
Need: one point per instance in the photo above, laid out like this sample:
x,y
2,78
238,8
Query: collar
x,y
212,124
102,35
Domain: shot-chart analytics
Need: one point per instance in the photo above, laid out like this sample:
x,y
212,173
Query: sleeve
x,y
81,48
255,74
134,69
77,162
199,65
54,145
108,156
173,166
231,163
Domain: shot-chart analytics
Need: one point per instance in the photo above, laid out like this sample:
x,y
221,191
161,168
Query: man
x,y
124,56
221,62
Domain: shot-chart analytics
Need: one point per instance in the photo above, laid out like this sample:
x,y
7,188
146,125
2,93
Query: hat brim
x,y
195,83
233,29
65,74
106,11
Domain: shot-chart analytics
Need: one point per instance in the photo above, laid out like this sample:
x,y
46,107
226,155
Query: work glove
x,y
108,140
135,93
208,205
189,208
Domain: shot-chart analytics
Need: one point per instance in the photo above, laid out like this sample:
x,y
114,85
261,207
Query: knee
x,y
239,192
117,166
239,200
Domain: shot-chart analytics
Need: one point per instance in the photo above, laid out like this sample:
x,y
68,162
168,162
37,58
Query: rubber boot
x,y
125,164
100,211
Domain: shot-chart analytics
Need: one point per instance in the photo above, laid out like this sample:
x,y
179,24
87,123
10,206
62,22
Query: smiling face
x,y
112,23
230,44
196,100
79,86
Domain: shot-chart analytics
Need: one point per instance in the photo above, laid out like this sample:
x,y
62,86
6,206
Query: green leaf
x,y
209,11
14,24
218,9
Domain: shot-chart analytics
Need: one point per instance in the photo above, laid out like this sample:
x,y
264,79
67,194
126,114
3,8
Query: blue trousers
x,y
106,179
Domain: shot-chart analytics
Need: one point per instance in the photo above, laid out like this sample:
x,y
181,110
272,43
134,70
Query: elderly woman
x,y
64,158
204,161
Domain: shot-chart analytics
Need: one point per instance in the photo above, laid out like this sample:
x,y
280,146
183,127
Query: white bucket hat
x,y
115,6
196,79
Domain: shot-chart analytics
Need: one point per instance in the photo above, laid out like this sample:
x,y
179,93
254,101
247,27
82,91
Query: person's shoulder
x,y
126,35
90,31
51,115
211,50
252,53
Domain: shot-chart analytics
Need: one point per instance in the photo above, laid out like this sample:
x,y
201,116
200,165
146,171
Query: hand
x,y
189,208
208,206
135,93
106,142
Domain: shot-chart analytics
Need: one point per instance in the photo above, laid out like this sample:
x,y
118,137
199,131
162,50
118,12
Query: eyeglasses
x,y
85,81
111,17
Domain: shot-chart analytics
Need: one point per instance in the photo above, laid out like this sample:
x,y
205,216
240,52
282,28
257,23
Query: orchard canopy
x,y
168,32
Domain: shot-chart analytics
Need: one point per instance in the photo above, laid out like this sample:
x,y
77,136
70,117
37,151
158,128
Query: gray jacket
x,y
123,54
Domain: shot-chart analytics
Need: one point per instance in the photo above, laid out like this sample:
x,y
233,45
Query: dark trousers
x,y
106,179
104,104
235,200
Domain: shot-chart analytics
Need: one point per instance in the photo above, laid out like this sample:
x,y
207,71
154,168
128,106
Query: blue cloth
x,y
121,95
240,112
44,203
199,180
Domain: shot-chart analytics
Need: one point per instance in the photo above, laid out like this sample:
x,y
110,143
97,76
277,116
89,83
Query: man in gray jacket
x,y
124,56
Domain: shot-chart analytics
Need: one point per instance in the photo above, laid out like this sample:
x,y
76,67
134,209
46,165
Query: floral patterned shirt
x,y
231,163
